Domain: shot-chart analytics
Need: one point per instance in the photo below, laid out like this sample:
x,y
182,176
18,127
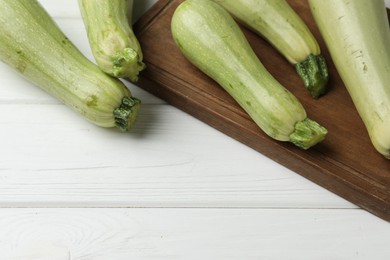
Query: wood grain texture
x,y
345,163
122,234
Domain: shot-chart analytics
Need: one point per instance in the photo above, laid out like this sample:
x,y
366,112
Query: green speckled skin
x,y
31,43
278,23
209,37
357,34
111,37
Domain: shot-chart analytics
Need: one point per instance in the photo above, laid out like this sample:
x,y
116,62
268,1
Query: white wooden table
x,y
172,188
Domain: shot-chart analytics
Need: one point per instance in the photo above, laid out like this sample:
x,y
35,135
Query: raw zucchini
x,y
209,37
279,24
113,42
358,38
33,44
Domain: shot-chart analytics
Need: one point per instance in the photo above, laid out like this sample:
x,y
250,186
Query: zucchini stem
x,y
307,133
126,113
314,74
127,63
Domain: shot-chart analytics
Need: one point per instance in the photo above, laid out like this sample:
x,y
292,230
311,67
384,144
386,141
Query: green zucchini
x,y
280,25
33,44
113,43
208,37
358,38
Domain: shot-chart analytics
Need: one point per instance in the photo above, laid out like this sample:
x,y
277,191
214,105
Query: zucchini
x,y
280,25
113,42
358,38
33,44
209,38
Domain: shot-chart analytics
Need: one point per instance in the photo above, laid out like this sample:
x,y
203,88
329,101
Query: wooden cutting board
x,y
345,162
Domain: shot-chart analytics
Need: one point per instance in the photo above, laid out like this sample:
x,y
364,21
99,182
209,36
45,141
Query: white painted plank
x,y
102,234
165,145
51,156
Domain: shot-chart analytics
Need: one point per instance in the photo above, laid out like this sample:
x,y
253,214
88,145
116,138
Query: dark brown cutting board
x,y
344,163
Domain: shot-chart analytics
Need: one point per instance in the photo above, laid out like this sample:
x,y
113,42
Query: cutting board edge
x,y
295,161
374,203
